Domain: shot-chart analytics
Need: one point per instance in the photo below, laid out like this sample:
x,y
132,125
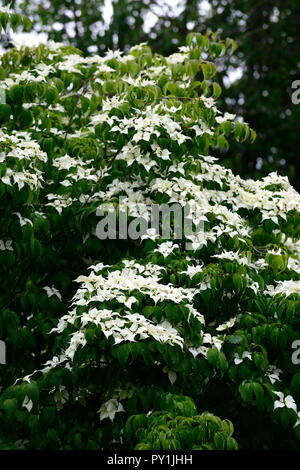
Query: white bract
x,y
120,133
283,401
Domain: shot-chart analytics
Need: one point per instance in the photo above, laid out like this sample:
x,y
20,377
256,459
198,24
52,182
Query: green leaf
x,y
15,20
245,390
10,406
4,18
26,117
213,357
32,390
217,90
226,127
220,441
285,417
206,88
222,142
259,395
123,352
48,415
5,112
230,43
51,95
16,93
231,444
26,24
206,71
52,438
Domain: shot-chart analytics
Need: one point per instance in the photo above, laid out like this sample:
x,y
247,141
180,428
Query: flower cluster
x,y
130,131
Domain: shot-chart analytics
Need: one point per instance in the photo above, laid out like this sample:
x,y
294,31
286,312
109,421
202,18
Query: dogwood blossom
x,y
110,408
246,355
283,401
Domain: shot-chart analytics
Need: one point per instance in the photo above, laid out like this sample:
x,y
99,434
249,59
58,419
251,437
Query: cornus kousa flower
x,y
114,312
283,401
274,374
166,248
238,360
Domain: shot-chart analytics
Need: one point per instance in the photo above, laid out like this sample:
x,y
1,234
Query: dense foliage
x,y
267,33
148,343
267,59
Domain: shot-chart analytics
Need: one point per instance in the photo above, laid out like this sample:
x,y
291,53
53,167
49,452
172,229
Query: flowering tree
x,y
146,343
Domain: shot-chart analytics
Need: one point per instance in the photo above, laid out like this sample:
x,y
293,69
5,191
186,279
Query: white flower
x,y
27,403
227,117
193,270
65,163
232,256
228,324
287,402
139,46
109,409
273,374
6,10
166,248
203,129
196,314
239,360
201,350
23,220
213,340
6,246
131,300
283,287
52,291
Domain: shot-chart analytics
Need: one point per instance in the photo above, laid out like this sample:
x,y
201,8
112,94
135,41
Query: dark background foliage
x,y
267,60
